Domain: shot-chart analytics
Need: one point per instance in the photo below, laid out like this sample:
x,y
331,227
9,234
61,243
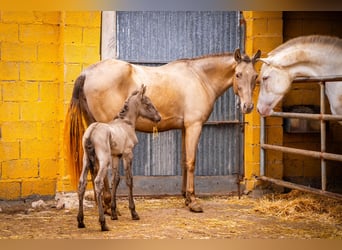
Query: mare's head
x,y
244,79
144,106
275,82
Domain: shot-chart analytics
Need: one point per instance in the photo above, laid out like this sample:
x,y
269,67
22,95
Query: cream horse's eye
x,y
264,78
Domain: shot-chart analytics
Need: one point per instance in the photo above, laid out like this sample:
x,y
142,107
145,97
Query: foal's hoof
x,y
114,217
195,207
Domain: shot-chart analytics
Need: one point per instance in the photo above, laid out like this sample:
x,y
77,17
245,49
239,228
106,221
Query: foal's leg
x,y
192,135
81,190
127,160
99,185
115,183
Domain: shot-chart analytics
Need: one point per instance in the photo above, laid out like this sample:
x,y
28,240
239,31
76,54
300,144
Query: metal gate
x,y
155,38
322,155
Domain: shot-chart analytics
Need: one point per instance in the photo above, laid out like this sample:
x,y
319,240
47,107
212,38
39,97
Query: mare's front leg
x,y
192,135
115,183
99,185
127,160
81,190
183,165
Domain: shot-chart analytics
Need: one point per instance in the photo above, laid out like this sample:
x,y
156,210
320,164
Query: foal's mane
x,y
308,40
125,108
244,58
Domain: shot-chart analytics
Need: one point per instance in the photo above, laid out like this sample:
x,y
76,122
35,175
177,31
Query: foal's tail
x,y
77,119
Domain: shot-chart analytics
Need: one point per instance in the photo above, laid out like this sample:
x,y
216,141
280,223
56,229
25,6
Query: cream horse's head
x,y
275,82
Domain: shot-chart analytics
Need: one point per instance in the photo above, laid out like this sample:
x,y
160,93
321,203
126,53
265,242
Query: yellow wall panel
x,y
39,71
9,150
36,33
38,187
9,111
17,169
9,32
20,91
9,71
10,190
18,52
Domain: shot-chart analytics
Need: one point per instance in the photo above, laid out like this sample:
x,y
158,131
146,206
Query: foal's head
x,y
144,106
244,79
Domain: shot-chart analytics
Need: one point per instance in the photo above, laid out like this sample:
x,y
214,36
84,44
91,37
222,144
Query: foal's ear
x,y
256,56
237,55
143,89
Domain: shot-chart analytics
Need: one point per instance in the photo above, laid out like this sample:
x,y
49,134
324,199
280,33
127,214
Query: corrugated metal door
x,y
154,38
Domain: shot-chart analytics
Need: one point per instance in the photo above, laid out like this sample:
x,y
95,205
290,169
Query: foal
x,y
105,144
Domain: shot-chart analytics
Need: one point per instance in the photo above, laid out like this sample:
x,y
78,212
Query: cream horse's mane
x,y
312,40
295,50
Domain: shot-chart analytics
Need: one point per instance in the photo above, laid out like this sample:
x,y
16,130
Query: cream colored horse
x,y
303,56
183,91
104,144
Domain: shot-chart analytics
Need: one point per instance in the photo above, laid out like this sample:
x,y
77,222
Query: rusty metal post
x,y
323,138
262,150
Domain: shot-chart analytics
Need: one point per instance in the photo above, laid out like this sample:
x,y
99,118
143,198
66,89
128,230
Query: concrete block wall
x,y
263,31
40,55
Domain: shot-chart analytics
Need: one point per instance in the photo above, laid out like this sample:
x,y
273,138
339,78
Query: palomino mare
x,y
106,143
184,92
302,56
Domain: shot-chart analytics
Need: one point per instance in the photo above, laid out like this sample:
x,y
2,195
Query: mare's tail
x,y
77,119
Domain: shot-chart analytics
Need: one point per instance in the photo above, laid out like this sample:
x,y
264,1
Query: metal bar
x,y
224,122
323,140
314,154
300,187
308,116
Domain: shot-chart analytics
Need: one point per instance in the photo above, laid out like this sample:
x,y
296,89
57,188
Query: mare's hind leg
x,y
81,190
129,181
99,185
115,183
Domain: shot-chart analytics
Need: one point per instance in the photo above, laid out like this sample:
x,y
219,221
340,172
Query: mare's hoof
x,y
81,225
135,216
104,226
195,207
114,217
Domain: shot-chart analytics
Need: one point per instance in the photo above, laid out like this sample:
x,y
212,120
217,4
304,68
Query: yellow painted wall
x,y
41,53
264,31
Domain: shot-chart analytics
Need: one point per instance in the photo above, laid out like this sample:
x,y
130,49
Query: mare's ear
x,y
264,60
256,56
237,55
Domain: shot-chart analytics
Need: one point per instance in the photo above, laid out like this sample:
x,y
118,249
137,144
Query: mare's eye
x,y
238,75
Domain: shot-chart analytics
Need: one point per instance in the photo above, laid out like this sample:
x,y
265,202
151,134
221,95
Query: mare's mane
x,y
308,40
244,57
